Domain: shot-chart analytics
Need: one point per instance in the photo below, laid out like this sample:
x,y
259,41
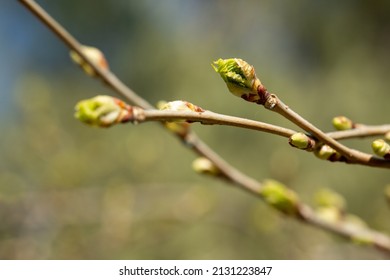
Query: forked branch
x,y
273,193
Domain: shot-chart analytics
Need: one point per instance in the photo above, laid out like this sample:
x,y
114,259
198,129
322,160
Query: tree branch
x,y
241,80
352,156
263,190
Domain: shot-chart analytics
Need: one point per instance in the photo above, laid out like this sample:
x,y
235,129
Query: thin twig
x,y
209,117
360,132
212,118
105,75
352,156
192,141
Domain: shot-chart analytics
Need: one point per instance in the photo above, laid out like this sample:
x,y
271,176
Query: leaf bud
x,y
327,153
103,111
94,54
205,166
381,148
280,197
301,141
342,123
240,78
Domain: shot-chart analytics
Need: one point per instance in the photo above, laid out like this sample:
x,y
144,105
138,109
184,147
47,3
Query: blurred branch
x,y
273,193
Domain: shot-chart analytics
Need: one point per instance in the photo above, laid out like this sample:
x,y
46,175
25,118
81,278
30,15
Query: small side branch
x,y
242,81
352,156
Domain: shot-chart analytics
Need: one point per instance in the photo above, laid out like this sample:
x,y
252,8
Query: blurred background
x,y
68,191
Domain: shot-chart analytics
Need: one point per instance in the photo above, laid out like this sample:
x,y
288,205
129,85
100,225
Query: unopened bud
x,y
329,198
205,166
329,214
181,106
280,197
179,127
327,153
381,148
301,141
342,123
94,54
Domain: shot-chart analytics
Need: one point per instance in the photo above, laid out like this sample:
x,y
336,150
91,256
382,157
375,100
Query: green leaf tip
x,y
102,111
280,197
239,76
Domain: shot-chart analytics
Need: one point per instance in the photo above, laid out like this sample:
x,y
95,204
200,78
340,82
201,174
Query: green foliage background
x,y
68,191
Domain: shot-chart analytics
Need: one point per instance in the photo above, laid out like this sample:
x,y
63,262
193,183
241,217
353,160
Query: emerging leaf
x,y
102,111
239,76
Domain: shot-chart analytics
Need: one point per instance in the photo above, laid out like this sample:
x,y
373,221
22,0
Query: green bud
x,y
179,128
342,123
240,77
329,214
363,239
327,153
205,166
381,148
329,198
94,54
301,141
355,224
355,221
102,111
387,136
280,197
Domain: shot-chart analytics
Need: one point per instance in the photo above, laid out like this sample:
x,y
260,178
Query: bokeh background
x,y
68,191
